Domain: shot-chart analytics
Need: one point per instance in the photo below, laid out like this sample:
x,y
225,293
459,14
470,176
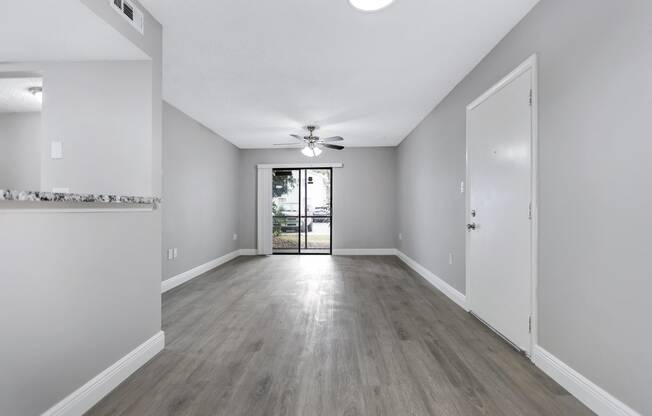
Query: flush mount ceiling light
x,y
36,92
370,5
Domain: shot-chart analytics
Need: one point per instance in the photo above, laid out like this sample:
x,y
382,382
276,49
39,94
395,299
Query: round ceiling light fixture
x,y
36,92
370,5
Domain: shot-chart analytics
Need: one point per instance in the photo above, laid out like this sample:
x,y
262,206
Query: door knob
x,y
471,226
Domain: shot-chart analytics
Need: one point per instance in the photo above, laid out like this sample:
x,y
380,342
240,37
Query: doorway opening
x,y
302,202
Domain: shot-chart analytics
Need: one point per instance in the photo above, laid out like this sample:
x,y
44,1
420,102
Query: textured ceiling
x,y
255,71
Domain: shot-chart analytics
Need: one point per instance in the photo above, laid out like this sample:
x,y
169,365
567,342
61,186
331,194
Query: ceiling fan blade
x,y
288,144
296,136
332,139
333,146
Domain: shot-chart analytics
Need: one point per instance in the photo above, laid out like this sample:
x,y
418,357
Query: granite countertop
x,y
36,196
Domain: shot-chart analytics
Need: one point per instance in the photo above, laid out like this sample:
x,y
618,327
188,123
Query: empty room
x,y
325,208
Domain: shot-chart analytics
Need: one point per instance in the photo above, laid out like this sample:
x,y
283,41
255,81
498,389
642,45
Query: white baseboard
x,y
85,397
593,396
248,252
364,251
182,278
434,280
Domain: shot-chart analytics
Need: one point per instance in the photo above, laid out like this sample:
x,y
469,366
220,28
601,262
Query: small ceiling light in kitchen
x,y
370,5
36,92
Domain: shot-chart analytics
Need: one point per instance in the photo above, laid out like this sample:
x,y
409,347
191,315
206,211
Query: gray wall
x,y
364,199
97,109
595,99
81,290
152,44
20,151
200,188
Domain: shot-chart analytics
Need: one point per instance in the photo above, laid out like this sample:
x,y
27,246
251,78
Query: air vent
x,y
129,12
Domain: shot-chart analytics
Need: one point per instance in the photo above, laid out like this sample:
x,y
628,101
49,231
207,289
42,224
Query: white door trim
x,y
528,64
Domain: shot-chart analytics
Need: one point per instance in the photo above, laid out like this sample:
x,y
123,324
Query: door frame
x,y
304,202
531,64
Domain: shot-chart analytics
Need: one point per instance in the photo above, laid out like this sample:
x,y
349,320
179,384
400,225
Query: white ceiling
x,y
255,71
62,30
15,96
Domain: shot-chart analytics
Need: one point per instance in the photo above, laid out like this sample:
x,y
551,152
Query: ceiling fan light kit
x,y
311,151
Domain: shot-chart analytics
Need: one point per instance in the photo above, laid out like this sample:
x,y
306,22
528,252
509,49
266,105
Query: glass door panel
x,y
285,210
317,213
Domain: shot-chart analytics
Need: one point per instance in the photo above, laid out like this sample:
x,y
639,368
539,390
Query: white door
x,y
499,183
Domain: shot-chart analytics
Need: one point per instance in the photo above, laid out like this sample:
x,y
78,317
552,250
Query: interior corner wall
x,y
200,189
364,194
80,290
595,97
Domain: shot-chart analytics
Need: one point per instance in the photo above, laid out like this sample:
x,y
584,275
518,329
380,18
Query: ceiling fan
x,y
312,145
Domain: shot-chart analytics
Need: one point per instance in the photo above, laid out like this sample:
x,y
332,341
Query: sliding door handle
x,y
471,226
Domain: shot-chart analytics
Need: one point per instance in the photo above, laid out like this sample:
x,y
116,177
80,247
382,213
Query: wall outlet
x,y
235,237
450,258
170,254
400,236
174,253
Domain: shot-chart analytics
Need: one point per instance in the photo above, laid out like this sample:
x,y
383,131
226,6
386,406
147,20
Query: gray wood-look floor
x,y
321,335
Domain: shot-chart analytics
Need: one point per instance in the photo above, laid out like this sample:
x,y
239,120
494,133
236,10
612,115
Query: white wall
x,y
200,193
595,97
364,194
20,151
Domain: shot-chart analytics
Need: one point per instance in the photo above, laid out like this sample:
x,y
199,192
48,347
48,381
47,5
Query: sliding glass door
x,y
302,210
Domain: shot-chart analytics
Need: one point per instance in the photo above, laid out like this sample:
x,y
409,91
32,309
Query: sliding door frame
x,y
303,209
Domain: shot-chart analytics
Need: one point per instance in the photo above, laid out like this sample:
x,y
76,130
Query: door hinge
x,y
529,324
529,215
531,100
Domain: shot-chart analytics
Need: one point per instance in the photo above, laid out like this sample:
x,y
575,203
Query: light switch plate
x,y
169,254
174,253
56,150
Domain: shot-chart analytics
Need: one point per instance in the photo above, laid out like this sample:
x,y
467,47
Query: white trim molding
x,y
182,278
593,396
434,280
529,64
364,252
85,397
300,165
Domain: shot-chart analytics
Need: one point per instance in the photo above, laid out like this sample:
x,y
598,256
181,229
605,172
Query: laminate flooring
x,y
322,335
